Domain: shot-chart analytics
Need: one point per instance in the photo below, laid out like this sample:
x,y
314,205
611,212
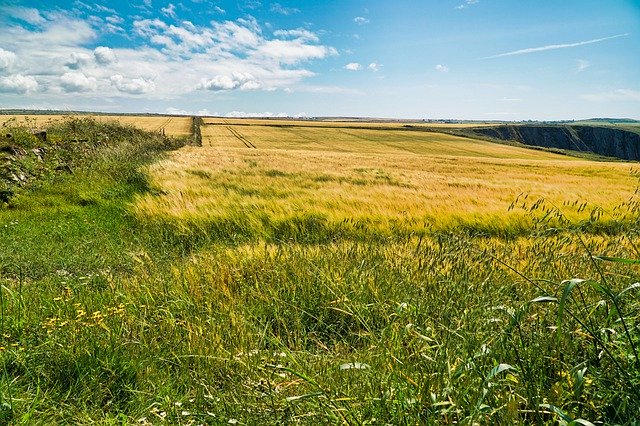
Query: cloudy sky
x,y
470,59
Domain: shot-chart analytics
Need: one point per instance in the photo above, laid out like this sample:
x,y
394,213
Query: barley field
x,y
175,126
412,181
314,275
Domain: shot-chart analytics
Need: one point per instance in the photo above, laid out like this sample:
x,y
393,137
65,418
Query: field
x,y
287,273
175,126
410,180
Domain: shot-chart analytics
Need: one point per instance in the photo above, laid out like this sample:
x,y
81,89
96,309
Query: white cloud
x,y
77,60
583,65
353,66
242,114
441,68
555,46
27,14
177,111
104,55
169,11
94,8
72,82
360,20
467,3
133,86
114,19
292,51
374,66
614,95
171,61
282,10
251,4
299,33
219,10
236,80
7,59
18,83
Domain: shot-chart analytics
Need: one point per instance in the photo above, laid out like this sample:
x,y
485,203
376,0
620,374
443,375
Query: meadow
x,y
292,274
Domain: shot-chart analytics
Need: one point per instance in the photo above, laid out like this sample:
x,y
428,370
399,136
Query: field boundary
x,y
196,130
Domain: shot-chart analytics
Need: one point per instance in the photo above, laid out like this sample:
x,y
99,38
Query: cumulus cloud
x,y
7,59
441,68
133,86
360,20
172,59
219,10
18,83
72,82
278,8
104,55
353,66
77,60
237,80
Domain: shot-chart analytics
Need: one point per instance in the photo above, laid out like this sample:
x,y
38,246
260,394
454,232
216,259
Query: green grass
x,y
108,319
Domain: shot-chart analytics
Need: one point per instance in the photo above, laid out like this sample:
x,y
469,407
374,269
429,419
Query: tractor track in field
x,y
244,140
164,125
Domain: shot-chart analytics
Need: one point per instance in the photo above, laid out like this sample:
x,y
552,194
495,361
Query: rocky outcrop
x,y
605,141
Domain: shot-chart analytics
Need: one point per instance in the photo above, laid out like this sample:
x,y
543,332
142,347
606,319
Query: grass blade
x,y
618,260
544,299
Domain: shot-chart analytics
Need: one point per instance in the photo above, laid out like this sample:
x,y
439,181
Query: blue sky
x,y
467,59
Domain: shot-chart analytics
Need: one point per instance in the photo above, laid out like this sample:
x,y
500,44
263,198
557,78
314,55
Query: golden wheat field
x,y
262,173
173,125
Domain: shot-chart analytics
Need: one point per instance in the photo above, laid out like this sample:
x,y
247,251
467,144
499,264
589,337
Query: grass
x,y
121,305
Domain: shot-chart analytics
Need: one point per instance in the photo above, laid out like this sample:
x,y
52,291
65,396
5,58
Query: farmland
x,y
309,272
176,126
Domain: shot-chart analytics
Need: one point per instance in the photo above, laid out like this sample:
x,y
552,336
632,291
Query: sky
x,y
413,59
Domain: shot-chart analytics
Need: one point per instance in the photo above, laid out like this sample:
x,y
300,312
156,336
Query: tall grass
x,y
110,318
